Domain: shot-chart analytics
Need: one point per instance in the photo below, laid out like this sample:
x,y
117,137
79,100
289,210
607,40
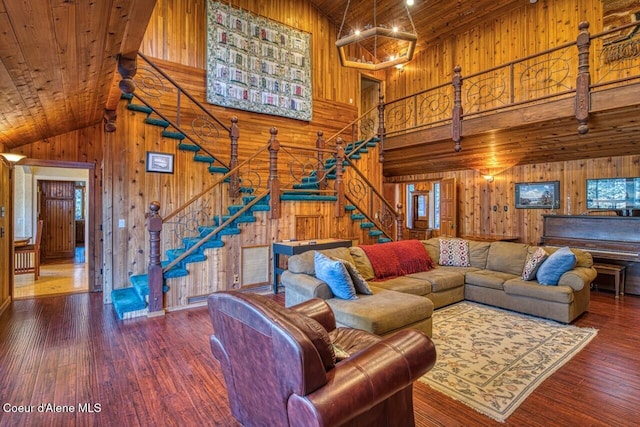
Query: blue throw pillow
x,y
335,275
555,266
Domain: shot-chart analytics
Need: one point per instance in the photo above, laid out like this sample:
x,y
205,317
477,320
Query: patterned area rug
x,y
492,359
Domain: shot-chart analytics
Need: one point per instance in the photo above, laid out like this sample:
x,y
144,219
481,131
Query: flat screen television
x,y
619,194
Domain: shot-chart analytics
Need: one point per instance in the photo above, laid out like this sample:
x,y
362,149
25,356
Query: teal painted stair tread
x,y
355,156
229,231
204,158
375,233
188,147
175,271
247,190
357,216
309,197
140,108
306,186
128,96
126,300
173,135
384,240
349,208
218,169
367,225
157,122
194,257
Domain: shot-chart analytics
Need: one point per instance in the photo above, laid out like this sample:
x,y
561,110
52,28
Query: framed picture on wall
x,y
159,162
538,195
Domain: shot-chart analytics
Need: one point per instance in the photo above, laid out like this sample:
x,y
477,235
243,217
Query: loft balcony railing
x,y
574,69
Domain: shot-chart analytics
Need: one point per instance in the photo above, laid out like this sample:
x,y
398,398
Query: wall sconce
x,y
488,178
12,158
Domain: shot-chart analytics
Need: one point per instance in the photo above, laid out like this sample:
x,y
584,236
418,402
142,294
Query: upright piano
x,y
612,238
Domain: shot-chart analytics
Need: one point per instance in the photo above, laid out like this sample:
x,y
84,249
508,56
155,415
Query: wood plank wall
x,y
527,30
6,226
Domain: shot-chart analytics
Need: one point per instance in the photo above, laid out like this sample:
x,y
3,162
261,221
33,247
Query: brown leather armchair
x,y
280,366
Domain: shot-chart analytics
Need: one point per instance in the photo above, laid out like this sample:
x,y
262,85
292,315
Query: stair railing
x,y
159,92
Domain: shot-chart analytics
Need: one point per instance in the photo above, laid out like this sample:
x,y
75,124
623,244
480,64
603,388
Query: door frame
x,y
90,219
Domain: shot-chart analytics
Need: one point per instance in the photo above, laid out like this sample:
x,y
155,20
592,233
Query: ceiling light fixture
x,y
376,47
13,157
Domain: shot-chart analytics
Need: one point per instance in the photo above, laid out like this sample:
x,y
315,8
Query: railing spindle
x,y
234,134
339,186
274,182
583,80
456,123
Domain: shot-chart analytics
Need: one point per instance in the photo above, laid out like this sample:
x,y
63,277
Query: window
x,y
436,205
79,200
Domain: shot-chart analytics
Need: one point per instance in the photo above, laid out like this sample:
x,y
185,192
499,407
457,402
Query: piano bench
x,y
618,273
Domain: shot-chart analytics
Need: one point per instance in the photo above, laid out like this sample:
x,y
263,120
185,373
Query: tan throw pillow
x,y
534,261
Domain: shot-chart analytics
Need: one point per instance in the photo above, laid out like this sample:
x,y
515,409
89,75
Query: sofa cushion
x,y
583,258
488,278
517,286
335,275
534,261
305,262
478,253
454,252
382,312
555,266
441,278
507,257
362,263
406,284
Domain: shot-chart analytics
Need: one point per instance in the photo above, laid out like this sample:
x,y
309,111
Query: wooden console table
x,y
294,247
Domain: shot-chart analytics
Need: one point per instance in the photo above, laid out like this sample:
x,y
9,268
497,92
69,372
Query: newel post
x,y
154,272
234,134
274,182
583,81
320,172
339,185
399,222
381,129
127,67
456,119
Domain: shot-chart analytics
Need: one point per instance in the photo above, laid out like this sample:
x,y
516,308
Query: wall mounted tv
x,y
619,194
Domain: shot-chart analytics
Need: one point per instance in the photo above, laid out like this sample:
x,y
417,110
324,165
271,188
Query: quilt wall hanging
x,y
256,64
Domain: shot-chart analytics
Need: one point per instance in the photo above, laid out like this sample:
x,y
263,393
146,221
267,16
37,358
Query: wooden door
x,y
6,236
448,208
57,210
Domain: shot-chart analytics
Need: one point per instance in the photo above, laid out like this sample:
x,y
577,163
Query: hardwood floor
x,y
56,277
71,351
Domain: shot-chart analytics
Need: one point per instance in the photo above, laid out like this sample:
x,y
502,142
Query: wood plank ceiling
x,y
58,63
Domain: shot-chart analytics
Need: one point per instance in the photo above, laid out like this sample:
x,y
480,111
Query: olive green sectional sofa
x,y
490,273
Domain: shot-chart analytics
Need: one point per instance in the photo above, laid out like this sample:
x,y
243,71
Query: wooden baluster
x,y
154,273
320,172
274,182
234,134
456,123
381,128
583,81
339,186
399,222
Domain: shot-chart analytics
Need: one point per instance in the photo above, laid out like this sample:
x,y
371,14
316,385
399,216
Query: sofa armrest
x,y
365,379
318,310
578,278
301,287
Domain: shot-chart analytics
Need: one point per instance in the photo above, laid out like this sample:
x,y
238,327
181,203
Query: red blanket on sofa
x,y
400,258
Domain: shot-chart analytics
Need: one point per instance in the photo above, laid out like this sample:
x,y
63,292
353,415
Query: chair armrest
x,y
318,310
365,379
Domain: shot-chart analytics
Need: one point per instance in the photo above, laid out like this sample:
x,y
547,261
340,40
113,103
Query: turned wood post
x,y
583,81
339,185
234,134
456,119
154,272
399,222
109,119
274,182
127,67
320,171
381,128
